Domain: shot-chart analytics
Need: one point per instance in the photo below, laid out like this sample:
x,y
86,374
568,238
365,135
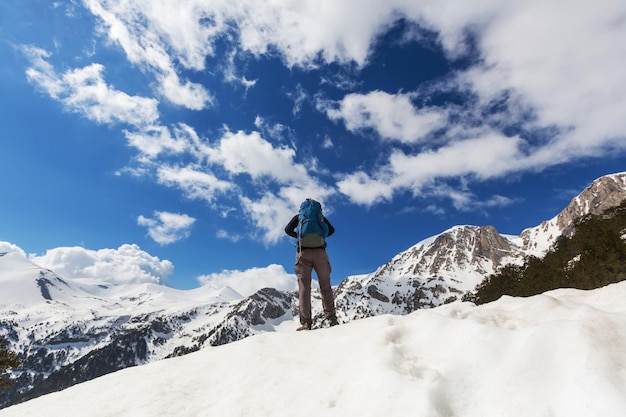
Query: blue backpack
x,y
311,228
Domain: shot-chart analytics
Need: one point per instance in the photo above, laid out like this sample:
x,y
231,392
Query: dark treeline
x,y
594,256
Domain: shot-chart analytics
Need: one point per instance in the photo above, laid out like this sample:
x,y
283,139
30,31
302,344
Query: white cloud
x,y
194,182
569,74
224,234
166,228
250,281
463,199
299,97
488,156
191,95
248,153
126,264
276,131
84,91
306,31
154,34
42,73
552,65
237,153
363,189
152,141
392,116
270,214
88,93
10,247
157,34
231,75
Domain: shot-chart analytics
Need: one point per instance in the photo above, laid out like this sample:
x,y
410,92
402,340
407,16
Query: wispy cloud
x,y
226,235
156,36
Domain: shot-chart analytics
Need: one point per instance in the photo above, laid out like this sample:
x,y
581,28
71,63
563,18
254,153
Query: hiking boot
x,y
305,326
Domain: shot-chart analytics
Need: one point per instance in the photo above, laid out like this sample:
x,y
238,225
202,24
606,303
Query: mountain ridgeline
x,y
69,331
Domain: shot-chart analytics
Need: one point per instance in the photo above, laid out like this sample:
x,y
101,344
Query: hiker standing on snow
x,y
311,228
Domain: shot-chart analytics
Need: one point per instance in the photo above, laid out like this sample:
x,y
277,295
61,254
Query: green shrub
x,y
8,360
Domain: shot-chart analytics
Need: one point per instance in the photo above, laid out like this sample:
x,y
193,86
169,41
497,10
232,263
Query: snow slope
x,y
562,353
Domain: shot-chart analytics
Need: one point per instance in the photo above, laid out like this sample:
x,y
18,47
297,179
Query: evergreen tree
x,y
594,256
8,360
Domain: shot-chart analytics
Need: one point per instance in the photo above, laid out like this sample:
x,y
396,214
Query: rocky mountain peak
x,y
447,265
604,193
461,248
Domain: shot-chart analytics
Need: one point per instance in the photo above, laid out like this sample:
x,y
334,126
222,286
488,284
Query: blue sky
x,y
171,141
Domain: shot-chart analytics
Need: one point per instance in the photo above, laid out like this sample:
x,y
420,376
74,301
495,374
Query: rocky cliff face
x,y
66,333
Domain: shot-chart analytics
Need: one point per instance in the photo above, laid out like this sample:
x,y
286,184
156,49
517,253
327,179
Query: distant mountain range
x,y
69,331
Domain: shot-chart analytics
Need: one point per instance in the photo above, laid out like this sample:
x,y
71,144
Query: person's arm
x,y
331,229
291,226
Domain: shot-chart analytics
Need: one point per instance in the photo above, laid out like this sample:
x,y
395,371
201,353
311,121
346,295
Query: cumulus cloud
x,y
166,228
538,66
391,116
248,153
270,169
533,75
191,95
127,264
84,91
251,280
10,247
195,182
155,34
481,158
154,141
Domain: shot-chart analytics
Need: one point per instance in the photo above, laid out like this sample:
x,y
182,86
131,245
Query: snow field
x,y
562,353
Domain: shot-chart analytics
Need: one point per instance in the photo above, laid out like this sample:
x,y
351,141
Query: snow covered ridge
x,y
560,354
70,331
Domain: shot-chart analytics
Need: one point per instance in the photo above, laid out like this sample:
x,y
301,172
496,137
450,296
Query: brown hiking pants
x,y
306,261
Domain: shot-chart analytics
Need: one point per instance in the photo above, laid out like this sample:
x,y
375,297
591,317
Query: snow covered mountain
x,y
443,267
70,331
